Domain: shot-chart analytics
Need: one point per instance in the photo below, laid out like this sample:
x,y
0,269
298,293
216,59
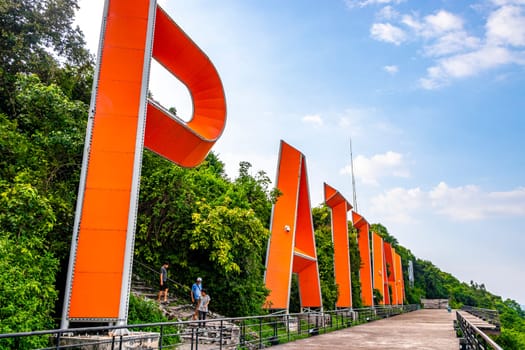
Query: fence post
x,y
308,322
192,333
160,338
220,335
58,340
243,333
288,326
260,333
197,331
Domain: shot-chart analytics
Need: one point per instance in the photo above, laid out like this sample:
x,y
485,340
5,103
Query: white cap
x,y
199,279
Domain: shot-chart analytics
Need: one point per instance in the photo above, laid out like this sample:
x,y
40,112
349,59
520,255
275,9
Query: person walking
x,y
163,290
203,306
196,296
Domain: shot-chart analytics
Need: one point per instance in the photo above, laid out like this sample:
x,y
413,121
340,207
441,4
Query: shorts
x,y
164,286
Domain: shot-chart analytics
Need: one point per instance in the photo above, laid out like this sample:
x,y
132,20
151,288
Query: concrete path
x,y
422,330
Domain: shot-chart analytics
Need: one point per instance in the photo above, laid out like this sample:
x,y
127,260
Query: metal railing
x,y
255,332
473,337
150,277
489,315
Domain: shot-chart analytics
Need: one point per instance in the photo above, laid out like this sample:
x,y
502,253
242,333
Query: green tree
x,y
38,37
46,139
42,144
232,239
27,266
208,226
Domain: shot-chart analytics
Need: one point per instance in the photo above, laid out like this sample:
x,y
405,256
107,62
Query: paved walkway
x,y
422,330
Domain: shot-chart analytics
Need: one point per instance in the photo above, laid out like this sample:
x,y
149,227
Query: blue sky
x,y
431,93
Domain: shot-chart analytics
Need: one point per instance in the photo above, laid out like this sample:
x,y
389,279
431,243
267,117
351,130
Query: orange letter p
x,y
121,123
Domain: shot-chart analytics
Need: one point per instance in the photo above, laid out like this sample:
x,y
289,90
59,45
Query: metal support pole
x,y
260,333
288,326
220,335
161,334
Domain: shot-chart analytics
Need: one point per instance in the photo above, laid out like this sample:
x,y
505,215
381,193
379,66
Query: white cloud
x,y
399,204
313,119
440,23
461,55
369,170
469,64
463,203
508,2
412,23
471,203
391,69
388,33
435,25
506,26
363,3
388,13
452,43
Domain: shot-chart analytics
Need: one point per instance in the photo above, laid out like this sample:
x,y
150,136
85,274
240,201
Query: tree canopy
x,y
38,37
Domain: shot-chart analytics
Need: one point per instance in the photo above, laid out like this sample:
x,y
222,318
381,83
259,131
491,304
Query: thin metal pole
x,y
58,340
161,335
197,331
260,333
220,336
288,326
354,195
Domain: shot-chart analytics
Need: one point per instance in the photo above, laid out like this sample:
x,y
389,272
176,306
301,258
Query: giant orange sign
x,y
121,123
291,247
339,207
399,283
365,272
378,266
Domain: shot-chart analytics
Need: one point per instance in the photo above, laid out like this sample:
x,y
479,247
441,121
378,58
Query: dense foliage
x,y
38,37
199,220
27,268
41,147
208,226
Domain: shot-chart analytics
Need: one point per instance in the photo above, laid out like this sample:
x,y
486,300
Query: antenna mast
x,y
353,177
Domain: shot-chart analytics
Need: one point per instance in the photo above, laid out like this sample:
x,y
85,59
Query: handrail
x,y
474,336
157,273
489,315
263,330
